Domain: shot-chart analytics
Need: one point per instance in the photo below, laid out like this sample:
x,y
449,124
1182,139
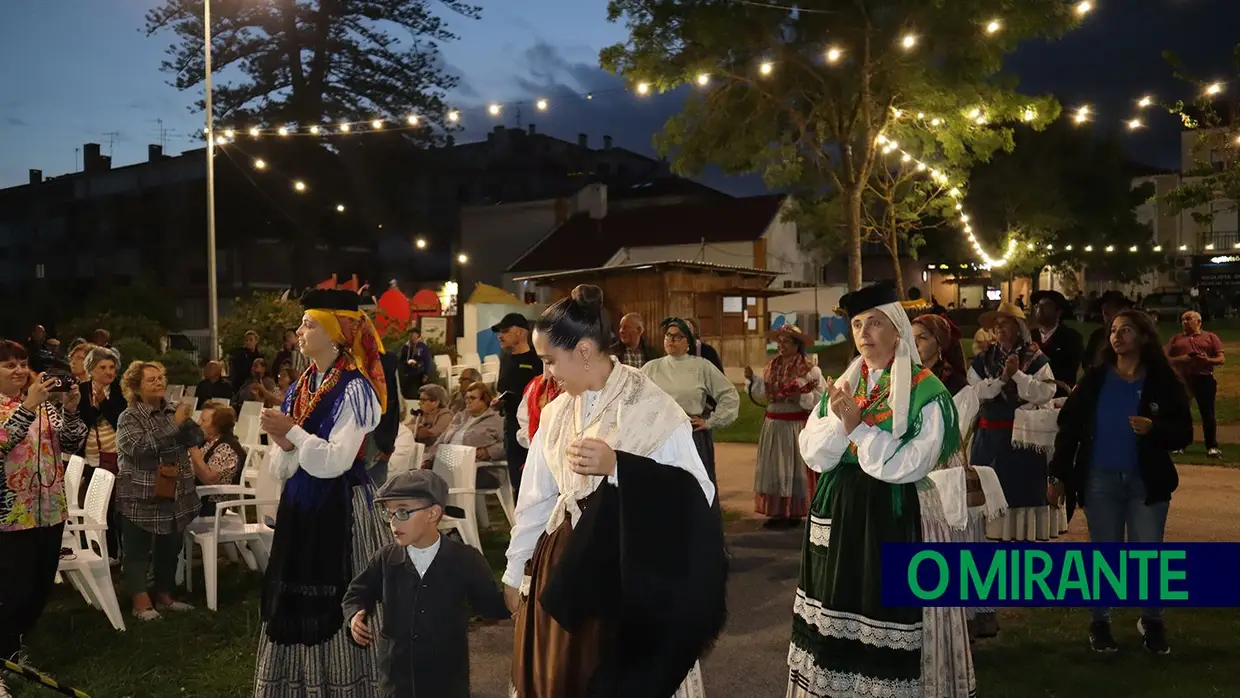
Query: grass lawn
x,y
211,655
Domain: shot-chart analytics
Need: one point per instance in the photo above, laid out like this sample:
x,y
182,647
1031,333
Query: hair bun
x,y
589,298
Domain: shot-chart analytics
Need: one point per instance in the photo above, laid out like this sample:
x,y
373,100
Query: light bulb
x,y
1210,246
344,128
220,140
1145,101
1110,248
1134,124
993,26
462,258
541,105
935,122
954,192
909,41
1083,7
230,134
906,157
1183,248
974,113
766,67
1132,249
1089,248
260,165
896,112
1158,248
299,185
834,54
376,124
703,79
254,133
340,208
283,131
921,115
454,116
1214,88
493,109
643,88
1030,115
314,130
412,120
1068,248
420,243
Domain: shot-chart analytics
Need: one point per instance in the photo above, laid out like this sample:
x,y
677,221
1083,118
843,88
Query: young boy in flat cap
x,y
420,585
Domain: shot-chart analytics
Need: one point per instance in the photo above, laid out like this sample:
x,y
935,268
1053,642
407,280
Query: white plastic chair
x,y
456,465
174,393
491,361
251,408
248,430
73,482
191,391
405,461
490,378
88,571
251,539
503,493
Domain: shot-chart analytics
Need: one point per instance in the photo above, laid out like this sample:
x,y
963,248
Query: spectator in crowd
x,y
101,406
938,347
1193,354
259,387
1109,303
632,348
241,360
429,629
467,378
285,380
221,457
53,349
517,367
102,338
213,386
290,357
982,339
701,348
155,489
431,417
693,381
36,427
478,425
1112,453
77,360
38,351
416,364
1062,345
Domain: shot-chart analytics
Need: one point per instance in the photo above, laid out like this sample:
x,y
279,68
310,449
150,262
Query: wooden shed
x,y
728,302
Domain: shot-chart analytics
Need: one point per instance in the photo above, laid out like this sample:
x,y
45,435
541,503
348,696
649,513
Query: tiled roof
x,y
655,266
582,242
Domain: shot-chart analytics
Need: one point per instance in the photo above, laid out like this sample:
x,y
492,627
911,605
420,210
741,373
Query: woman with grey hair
x,y
432,416
101,407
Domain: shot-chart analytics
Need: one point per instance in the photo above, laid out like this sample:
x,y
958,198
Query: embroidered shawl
x,y
631,414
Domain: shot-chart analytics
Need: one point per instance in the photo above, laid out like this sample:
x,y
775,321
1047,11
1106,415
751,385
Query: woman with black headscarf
x,y
693,381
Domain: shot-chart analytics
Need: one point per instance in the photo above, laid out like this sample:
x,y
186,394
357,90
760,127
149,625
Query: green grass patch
x,y
1196,455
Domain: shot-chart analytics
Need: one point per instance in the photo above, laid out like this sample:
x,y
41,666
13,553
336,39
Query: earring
x,y
587,365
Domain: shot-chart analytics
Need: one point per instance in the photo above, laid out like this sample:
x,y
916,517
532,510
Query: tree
x,y
781,101
1211,184
304,61
1063,197
264,313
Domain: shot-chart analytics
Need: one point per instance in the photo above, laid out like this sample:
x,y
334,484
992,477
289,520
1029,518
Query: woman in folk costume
x,y
792,386
616,568
880,430
1012,373
938,346
327,526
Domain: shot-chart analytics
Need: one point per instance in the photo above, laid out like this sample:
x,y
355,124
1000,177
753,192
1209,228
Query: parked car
x,y
1168,306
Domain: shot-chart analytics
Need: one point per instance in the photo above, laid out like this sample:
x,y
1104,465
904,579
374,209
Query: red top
x,y
1200,346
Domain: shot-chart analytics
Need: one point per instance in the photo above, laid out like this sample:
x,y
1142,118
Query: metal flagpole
x,y
213,300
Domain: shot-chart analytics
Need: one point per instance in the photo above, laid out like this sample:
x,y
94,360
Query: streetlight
x,y
213,301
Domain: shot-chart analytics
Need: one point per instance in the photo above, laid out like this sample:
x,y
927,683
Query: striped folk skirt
x,y
783,484
337,668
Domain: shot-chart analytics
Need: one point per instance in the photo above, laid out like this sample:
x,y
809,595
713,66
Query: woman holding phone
x,y
1113,453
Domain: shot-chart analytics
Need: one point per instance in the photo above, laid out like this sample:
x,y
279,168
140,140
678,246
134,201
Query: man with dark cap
x,y
1111,303
517,367
1063,345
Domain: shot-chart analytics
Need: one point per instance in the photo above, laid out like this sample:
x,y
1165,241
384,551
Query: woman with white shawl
x,y
875,445
616,568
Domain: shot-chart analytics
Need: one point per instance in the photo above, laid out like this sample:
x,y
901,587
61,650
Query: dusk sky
x,y
78,71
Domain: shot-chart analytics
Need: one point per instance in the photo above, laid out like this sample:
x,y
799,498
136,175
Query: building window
x,y
733,304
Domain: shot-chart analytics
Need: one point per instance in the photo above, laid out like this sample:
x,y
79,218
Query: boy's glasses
x,y
403,514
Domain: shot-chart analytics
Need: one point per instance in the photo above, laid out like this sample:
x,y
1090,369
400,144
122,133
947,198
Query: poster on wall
x,y
435,329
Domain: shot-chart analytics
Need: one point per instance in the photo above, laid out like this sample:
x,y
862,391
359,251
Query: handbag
x,y
166,482
107,461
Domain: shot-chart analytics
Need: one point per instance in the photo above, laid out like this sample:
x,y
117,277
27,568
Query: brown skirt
x,y
547,660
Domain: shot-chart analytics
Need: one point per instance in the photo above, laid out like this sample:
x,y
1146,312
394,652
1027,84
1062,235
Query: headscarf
x,y
350,328
906,358
683,327
951,361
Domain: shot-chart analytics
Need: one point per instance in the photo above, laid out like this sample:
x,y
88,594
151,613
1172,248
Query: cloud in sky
x,y
14,121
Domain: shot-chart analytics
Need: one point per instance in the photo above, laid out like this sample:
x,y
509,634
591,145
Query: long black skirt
x,y
704,440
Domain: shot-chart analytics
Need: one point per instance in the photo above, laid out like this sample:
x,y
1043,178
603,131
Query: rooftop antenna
x,y
111,138
163,135
76,166
518,117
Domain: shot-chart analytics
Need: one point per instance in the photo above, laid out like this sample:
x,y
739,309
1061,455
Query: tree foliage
x,y
809,124
1211,184
1063,197
264,313
119,326
303,61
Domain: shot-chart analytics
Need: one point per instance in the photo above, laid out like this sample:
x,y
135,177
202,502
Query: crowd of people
x,y
362,596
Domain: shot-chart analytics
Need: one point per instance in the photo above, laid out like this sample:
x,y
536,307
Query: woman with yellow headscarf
x,y
327,524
